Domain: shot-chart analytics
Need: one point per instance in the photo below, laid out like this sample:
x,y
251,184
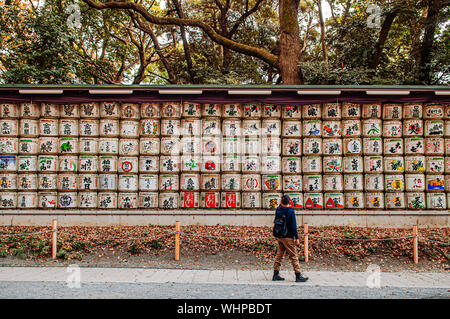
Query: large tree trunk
x,y
323,40
428,39
385,28
290,47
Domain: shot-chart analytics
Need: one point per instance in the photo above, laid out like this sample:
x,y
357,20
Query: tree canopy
x,y
224,41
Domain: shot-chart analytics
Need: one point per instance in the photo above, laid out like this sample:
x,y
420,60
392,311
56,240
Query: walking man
x,y
285,231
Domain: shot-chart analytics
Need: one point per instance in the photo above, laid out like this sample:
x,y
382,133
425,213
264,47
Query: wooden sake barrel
x,y
414,146
251,182
189,199
169,182
48,127
374,200
371,110
48,145
373,164
87,200
47,163
435,165
415,201
191,127
29,110
331,111
190,163
251,200
354,200
47,200
87,182
351,128
9,110
210,126
395,200
9,127
394,183
149,146
292,183
109,110
171,110
209,110
291,112
231,163
271,164
68,127
436,201
148,199
333,183
108,146
412,110
414,164
128,164
191,109
331,129
210,182
26,164
311,111
393,146
415,182
231,146
413,128
353,182
68,145
434,128
150,110
88,164
251,110
394,164
332,146
28,146
129,129
107,200
170,127
232,127
373,146
150,127
129,147
435,183
169,164
231,182
27,200
170,146
313,201
148,164
89,127
8,181
292,147
231,110
88,145
68,200
373,182
334,200
353,164
392,129
352,146
90,110
47,182
433,111
209,199
130,111
271,110
107,182
68,163
332,164
210,164
251,164
27,182
9,145
69,111
108,127
67,182
190,182
312,146
251,127
230,199
271,127
168,200
312,164
128,183
351,110
392,111
148,182
271,200
272,182
291,165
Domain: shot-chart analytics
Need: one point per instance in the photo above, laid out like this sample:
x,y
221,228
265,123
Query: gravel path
x,y
58,290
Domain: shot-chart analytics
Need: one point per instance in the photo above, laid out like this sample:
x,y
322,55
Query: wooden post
x,y
54,241
177,241
416,245
305,240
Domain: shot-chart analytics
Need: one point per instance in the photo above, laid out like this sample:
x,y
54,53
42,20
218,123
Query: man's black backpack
x,y
280,226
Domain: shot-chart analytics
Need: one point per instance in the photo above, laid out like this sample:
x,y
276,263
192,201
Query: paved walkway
x,y
234,277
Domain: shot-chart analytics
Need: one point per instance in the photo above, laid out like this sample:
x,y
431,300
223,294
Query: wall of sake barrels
x,y
173,155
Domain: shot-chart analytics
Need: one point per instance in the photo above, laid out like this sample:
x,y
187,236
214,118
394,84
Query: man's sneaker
x,y
276,276
300,278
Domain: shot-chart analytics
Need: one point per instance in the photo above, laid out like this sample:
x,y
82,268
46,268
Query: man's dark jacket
x,y
290,221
